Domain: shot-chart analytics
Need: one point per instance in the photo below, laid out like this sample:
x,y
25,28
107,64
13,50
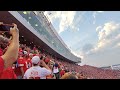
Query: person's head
x,y
31,55
27,48
35,60
20,54
25,54
3,42
69,76
11,54
78,75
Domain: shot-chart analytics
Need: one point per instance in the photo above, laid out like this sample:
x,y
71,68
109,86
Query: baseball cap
x,y
35,59
25,52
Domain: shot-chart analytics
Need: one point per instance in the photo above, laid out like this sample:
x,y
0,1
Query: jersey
x,y
36,72
21,63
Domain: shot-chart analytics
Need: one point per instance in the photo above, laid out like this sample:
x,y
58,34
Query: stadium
x,y
36,31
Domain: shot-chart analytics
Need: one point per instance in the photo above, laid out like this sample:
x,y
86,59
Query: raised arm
x,y
11,54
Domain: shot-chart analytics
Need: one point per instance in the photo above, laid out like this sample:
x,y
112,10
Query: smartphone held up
x,y
5,27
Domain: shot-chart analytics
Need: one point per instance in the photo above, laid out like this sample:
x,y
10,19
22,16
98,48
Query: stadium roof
x,y
6,17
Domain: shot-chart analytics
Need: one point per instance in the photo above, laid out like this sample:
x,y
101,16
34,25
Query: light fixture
x,y
29,17
36,24
22,36
32,42
24,12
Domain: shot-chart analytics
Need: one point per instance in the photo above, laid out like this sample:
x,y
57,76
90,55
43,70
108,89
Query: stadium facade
x,y
113,67
36,28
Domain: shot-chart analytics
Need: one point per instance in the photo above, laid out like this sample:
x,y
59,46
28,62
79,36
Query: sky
x,y
92,35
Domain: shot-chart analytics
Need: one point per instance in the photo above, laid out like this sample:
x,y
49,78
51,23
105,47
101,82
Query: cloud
x,y
107,49
78,55
65,18
52,15
77,21
118,44
87,47
94,15
109,34
98,28
109,37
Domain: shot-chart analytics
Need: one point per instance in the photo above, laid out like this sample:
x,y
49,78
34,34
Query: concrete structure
x,y
37,29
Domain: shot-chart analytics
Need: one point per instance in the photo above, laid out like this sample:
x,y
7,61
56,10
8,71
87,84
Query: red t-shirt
x,y
1,65
7,73
17,68
1,52
21,63
62,72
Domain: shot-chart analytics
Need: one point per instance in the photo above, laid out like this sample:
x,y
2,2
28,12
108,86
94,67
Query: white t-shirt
x,y
55,69
36,72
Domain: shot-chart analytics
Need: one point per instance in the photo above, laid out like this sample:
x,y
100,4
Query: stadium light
x,y
29,17
52,42
24,12
36,24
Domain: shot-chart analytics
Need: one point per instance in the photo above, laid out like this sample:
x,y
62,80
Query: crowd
x,y
21,61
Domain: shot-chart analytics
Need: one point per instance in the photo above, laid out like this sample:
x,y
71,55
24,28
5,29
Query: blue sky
x,y
92,35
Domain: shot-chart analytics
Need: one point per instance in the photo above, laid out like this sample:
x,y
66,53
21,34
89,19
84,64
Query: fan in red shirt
x,y
6,73
22,65
1,52
18,69
10,56
62,72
